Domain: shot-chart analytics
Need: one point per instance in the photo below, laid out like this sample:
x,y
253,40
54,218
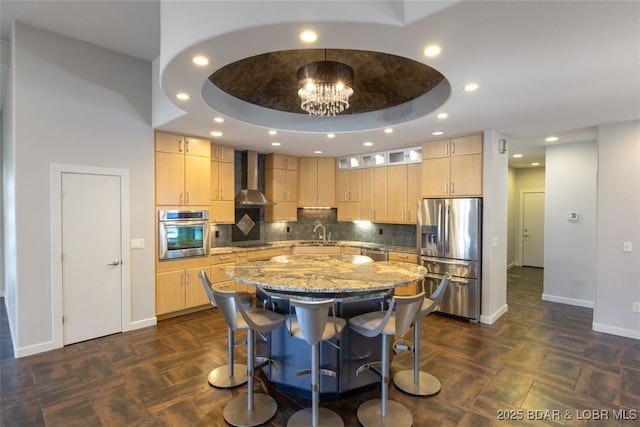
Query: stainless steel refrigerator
x,y
449,238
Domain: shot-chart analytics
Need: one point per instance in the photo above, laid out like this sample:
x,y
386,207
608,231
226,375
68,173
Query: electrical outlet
x,y
380,231
217,233
636,307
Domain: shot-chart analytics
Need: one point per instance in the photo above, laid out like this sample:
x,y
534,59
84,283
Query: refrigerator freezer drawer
x,y
457,268
462,298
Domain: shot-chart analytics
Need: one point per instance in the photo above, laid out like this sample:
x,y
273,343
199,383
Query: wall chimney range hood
x,y
251,195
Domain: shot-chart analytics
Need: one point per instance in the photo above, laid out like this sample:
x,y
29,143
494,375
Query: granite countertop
x,y
325,274
288,243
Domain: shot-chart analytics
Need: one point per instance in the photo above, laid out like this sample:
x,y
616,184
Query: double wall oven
x,y
182,233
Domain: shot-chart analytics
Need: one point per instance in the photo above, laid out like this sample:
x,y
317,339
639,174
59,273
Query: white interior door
x,y
533,229
91,256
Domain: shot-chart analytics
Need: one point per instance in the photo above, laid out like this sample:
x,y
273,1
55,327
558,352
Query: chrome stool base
x,y
370,414
326,418
236,412
220,378
427,384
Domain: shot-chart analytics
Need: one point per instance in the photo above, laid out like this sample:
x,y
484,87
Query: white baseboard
x,y
139,324
34,349
489,320
614,330
512,265
569,301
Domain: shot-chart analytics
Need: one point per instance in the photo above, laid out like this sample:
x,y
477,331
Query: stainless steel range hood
x,y
251,195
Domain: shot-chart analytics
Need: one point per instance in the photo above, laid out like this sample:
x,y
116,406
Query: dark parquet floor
x,y
538,358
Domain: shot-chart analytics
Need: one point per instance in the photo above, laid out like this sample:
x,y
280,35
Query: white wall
x,y
570,247
617,272
74,103
494,229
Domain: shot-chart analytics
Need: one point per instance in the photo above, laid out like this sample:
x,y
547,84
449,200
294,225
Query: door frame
x,y
519,239
56,171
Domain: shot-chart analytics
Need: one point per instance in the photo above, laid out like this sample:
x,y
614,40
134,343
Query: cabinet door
x,y
169,179
215,180
342,186
354,185
276,184
197,180
466,175
170,292
308,182
226,181
380,194
435,177
195,294
414,191
397,193
292,185
326,180
197,147
223,154
169,143
222,212
366,194
278,161
348,211
436,149
463,145
282,211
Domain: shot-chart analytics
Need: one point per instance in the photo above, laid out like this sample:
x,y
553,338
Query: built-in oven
x,y
183,233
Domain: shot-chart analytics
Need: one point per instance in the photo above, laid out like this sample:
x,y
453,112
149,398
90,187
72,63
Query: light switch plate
x,y
627,247
137,243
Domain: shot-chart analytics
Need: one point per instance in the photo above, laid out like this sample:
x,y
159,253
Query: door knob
x,y
115,262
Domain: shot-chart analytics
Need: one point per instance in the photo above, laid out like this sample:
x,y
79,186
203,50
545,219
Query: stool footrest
x,y
326,372
371,366
403,345
261,362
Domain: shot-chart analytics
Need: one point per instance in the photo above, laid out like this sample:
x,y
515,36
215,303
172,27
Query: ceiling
x,y
543,68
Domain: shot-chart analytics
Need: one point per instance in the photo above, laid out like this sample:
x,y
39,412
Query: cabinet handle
x,y
223,257
403,256
453,187
446,148
180,198
221,153
181,281
446,188
453,148
188,197
186,145
221,194
408,218
180,145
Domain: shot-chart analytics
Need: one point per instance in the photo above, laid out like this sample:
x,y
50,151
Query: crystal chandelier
x,y
325,87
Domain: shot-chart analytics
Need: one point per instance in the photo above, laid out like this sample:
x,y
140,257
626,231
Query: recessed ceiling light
x,y
437,133
275,144
388,130
200,60
432,51
317,152
535,164
470,87
517,156
368,144
331,135
443,115
218,119
182,96
273,132
552,139
216,133
308,36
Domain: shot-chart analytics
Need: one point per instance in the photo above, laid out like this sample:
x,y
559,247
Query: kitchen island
x,y
357,284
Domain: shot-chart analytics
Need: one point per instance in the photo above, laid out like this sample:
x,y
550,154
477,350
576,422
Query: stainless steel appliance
x,y
375,254
449,238
182,233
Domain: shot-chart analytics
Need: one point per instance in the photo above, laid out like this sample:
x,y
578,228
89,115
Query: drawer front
x,y
217,273
223,258
403,257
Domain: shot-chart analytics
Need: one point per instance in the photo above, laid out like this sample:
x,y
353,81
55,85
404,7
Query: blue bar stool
x,y
417,382
232,374
383,412
312,324
256,408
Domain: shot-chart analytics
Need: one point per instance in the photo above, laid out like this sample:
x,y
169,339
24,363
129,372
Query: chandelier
x,y
325,87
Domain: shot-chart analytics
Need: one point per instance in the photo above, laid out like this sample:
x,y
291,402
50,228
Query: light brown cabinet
x,y
403,191
348,184
281,186
222,185
452,167
373,194
182,170
178,286
316,182
409,258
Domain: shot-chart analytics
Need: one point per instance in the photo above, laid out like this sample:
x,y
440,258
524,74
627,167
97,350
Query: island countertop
x,y
325,274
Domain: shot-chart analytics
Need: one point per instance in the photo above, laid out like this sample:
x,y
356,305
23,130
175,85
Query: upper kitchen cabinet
x,y
348,194
281,187
222,185
403,191
452,167
316,182
373,194
182,175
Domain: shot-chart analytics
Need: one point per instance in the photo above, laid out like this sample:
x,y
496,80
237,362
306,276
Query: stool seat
x,y
382,412
334,327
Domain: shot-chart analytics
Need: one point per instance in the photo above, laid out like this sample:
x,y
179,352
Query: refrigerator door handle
x,y
446,261
439,231
446,230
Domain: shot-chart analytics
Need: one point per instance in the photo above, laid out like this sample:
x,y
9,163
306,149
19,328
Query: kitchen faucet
x,y
322,236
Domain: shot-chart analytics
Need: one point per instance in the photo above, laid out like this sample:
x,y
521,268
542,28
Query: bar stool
x,y
312,324
256,408
232,374
383,412
417,382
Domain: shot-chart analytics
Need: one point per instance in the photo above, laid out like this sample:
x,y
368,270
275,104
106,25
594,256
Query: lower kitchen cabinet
x,y
405,257
178,290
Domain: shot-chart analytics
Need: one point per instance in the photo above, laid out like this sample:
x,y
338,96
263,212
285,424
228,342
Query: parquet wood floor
x,y
539,357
